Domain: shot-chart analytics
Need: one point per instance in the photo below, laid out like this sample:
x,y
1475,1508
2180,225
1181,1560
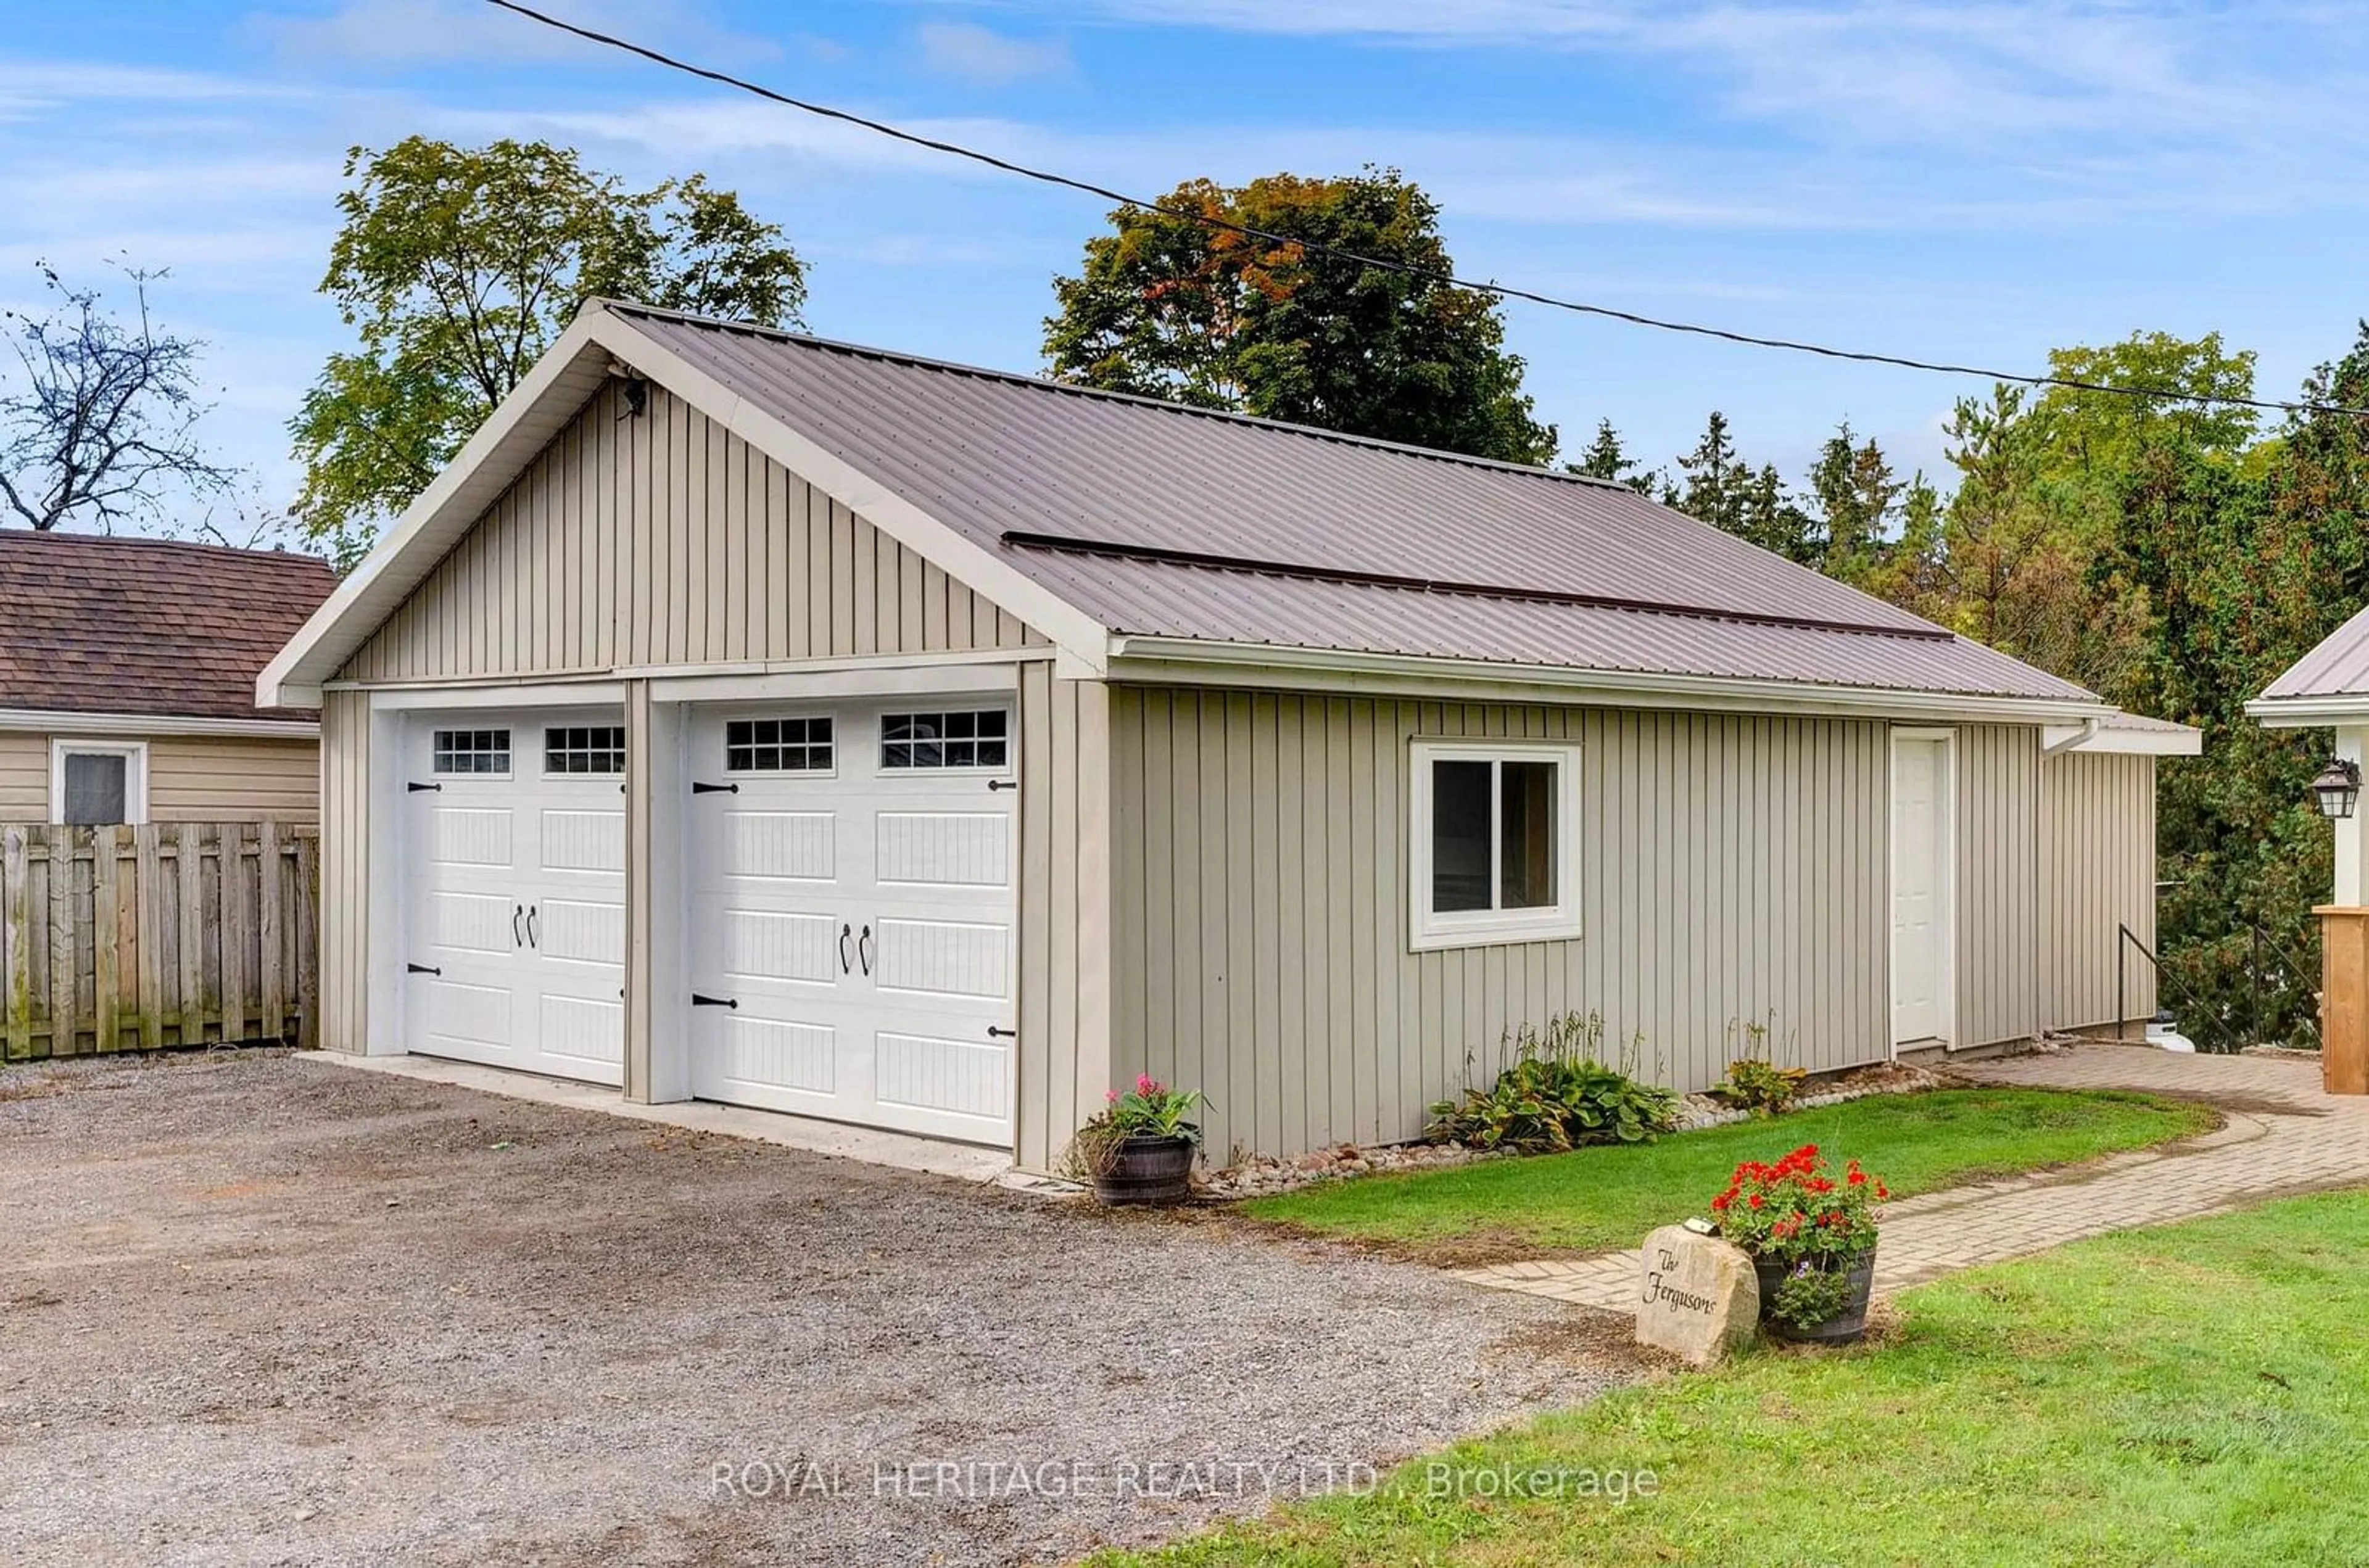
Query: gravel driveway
x,y
259,1310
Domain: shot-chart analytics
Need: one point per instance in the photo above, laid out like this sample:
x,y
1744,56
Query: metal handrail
x,y
2128,939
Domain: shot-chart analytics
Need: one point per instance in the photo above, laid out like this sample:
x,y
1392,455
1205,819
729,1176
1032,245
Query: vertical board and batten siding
x,y
345,868
1999,883
1728,877
663,539
2097,814
1066,847
190,778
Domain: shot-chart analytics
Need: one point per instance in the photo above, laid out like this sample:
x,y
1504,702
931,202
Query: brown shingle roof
x,y
117,626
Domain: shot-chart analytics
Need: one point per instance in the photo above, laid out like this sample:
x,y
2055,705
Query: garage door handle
x,y
531,939
995,1033
697,787
844,932
518,912
863,949
699,1000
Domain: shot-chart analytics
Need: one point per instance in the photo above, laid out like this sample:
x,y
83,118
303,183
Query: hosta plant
x,y
1556,1095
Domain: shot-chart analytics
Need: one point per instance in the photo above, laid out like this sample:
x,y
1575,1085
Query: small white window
x,y
95,783
1493,849
473,751
777,746
584,748
978,739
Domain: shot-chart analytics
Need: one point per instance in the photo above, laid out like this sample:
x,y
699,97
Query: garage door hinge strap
x,y
416,787
423,969
699,788
699,1000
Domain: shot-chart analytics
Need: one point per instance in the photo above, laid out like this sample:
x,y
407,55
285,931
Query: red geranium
x,y
1794,1211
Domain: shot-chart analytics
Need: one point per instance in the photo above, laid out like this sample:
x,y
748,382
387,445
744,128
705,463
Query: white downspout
x,y
2082,736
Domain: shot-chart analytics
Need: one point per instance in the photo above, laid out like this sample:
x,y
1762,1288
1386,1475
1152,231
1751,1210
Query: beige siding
x,y
190,778
227,779
1999,886
24,778
664,540
345,868
2098,875
1066,978
1731,872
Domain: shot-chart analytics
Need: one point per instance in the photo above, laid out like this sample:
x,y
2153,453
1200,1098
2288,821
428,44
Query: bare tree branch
x,y
98,421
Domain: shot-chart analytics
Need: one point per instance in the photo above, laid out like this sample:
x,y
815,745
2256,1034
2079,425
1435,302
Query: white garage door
x,y
853,912
516,923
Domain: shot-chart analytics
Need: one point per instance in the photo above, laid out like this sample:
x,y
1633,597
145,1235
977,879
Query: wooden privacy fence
x,y
178,934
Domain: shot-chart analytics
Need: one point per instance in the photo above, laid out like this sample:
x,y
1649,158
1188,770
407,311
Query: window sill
x,y
1494,932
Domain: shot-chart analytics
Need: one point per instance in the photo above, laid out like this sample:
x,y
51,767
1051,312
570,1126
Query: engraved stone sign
x,y
1697,1297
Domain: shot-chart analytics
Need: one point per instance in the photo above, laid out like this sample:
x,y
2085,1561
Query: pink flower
x,y
1111,1096
1146,1085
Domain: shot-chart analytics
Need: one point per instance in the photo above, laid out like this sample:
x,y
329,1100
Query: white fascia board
x,y
1183,661
2183,741
2308,713
1074,633
428,528
48,723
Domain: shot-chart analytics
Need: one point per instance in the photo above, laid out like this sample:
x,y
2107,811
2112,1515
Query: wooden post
x,y
2344,999
62,942
269,884
16,933
148,868
308,939
106,928
189,869
231,936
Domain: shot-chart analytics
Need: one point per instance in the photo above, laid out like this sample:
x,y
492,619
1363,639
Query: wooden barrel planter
x,y
1845,1327
1147,1170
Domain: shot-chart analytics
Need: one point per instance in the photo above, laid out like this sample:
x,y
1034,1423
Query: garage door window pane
x,y
1459,836
584,748
96,787
968,738
472,750
1525,858
777,746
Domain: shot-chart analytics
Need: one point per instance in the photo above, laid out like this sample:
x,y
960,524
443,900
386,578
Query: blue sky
x,y
1975,182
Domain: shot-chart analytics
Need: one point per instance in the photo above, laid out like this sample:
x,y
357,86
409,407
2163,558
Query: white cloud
x,y
397,33
977,54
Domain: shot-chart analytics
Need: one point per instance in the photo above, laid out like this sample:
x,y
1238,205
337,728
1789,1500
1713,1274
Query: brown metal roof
x,y
1166,521
117,626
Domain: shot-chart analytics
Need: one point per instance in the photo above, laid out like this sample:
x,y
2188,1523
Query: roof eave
x,y
2309,713
1191,662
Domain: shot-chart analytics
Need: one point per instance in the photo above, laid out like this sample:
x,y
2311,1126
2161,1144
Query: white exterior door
x,y
853,910
515,931
1923,890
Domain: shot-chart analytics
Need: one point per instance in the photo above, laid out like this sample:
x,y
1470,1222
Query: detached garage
x,y
752,718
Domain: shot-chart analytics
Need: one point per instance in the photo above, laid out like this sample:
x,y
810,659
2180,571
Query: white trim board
x,y
136,725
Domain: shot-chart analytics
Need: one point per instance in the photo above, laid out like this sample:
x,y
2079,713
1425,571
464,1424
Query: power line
x,y
1428,274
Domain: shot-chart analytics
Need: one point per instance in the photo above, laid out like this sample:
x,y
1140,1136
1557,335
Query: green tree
x,y
1606,457
1718,487
458,266
1857,499
1166,306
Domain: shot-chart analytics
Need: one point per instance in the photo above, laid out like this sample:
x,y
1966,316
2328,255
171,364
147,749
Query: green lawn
x,y
2197,1394
1596,1198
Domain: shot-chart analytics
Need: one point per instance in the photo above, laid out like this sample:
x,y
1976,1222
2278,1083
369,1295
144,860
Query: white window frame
x,y
759,716
940,709
135,774
474,776
1427,929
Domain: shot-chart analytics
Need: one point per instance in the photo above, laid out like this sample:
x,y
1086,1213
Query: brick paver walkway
x,y
2283,1136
